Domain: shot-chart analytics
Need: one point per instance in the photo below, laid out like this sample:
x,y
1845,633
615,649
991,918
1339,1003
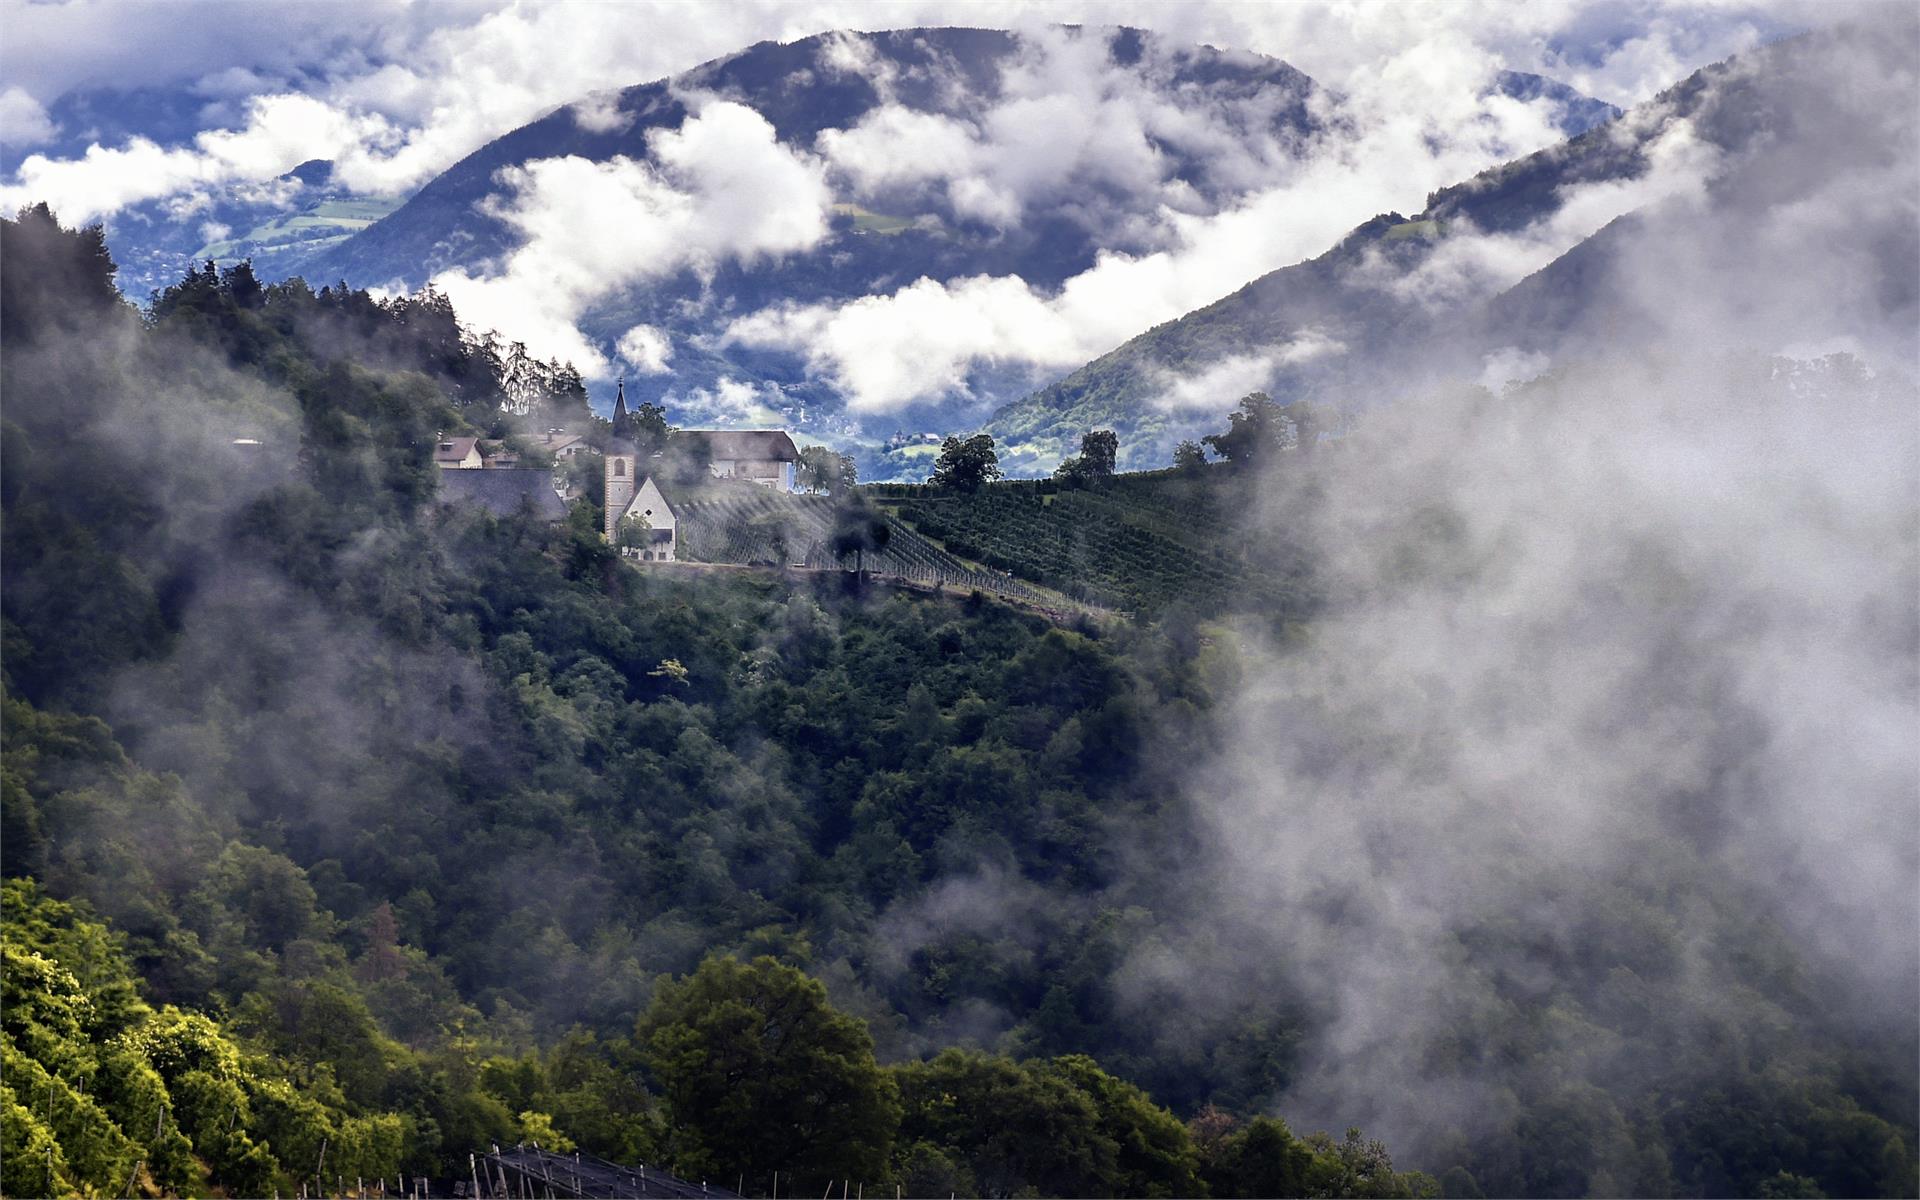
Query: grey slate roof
x,y
502,492
751,445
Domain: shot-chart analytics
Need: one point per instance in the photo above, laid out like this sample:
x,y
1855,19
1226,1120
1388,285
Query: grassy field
x,y
325,222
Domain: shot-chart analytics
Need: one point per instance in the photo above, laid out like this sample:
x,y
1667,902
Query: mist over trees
x,y
406,828
404,808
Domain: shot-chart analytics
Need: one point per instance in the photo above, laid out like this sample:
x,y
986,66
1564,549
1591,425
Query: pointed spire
x,y
620,404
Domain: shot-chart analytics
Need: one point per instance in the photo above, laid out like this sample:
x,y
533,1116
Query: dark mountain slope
x,y
443,227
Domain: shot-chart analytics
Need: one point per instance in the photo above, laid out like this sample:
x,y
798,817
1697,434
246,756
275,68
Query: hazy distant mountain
x,y
279,224
895,233
1758,174
273,221
877,245
1085,143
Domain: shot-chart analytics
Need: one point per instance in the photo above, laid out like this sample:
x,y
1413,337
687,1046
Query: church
x,y
628,495
766,457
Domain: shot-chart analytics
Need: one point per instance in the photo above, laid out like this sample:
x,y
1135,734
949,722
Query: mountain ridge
x,y
1363,294
876,245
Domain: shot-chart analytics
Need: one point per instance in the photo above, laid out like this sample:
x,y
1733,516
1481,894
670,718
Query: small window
x,y
619,467
649,512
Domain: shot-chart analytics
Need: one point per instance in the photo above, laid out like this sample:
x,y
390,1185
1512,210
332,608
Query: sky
x,y
394,93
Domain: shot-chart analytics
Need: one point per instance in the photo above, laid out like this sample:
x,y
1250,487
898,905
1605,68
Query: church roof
x,y
751,445
502,492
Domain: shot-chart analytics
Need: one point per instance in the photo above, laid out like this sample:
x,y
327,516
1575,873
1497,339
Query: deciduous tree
x,y
761,1074
965,464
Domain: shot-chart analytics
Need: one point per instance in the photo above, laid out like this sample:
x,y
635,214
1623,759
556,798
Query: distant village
x,y
639,517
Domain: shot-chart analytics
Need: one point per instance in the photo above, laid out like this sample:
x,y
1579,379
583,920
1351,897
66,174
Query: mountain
x,y
316,213
278,223
1587,247
1218,121
879,238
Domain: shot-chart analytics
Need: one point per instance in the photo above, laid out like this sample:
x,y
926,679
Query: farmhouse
x,y
762,456
458,454
561,444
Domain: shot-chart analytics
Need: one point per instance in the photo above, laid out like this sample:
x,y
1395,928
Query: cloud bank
x,y
718,189
394,94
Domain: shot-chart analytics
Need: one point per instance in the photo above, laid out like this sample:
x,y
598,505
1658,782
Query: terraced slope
x,y
1139,543
746,523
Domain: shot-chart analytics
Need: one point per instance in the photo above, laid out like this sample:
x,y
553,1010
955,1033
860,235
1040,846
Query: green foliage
x,y
1095,460
1140,543
1256,432
98,1083
634,532
761,1074
823,470
396,813
858,531
965,464
1058,1127
1098,452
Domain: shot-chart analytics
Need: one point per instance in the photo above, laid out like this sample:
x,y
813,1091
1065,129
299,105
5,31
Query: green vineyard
x,y
1137,543
746,523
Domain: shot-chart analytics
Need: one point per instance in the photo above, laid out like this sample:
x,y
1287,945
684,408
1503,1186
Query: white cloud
x,y
1068,130
720,188
921,341
1219,385
399,93
1414,123
731,403
646,349
283,132
1467,263
601,113
23,122
894,146
425,86
1510,365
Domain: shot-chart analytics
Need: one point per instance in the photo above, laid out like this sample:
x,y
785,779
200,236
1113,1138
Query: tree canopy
x,y
965,464
332,814
762,1074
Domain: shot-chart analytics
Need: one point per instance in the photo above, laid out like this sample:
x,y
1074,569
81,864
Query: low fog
x,y
1618,667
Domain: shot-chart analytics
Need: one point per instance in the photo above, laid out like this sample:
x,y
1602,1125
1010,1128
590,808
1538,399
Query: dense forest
x,y
347,832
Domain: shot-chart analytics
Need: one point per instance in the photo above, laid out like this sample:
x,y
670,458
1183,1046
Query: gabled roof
x,y
752,445
453,449
639,490
502,492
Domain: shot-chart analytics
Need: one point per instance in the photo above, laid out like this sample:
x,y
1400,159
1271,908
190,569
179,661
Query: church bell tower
x,y
623,459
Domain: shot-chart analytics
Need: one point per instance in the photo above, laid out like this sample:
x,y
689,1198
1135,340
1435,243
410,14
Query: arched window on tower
x,y
619,467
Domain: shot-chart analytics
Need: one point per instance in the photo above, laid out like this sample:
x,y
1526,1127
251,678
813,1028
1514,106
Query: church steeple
x,y
620,405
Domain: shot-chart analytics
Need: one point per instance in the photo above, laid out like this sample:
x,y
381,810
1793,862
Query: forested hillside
x,y
402,810
347,832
